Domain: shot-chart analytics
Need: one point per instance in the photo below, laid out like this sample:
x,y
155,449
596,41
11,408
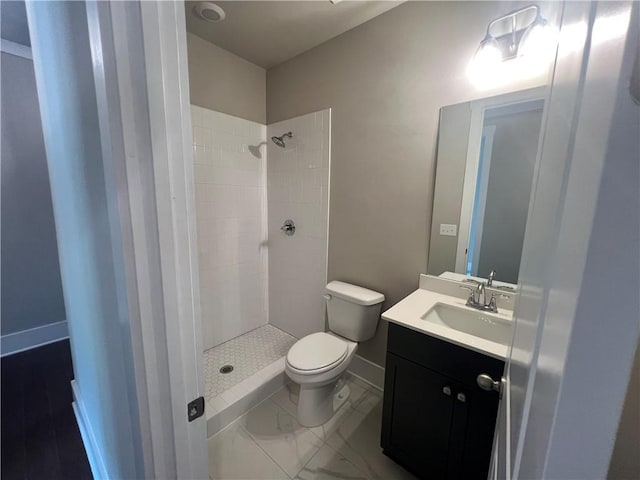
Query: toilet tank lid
x,y
354,293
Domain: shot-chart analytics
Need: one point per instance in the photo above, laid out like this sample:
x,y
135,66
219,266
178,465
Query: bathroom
x,y
326,170
343,122
344,198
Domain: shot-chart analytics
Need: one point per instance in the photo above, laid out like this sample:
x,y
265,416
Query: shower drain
x,y
226,369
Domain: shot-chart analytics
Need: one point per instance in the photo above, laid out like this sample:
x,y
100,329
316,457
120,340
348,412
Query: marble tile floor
x,y
269,443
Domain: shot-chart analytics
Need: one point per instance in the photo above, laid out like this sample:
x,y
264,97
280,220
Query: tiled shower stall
x,y
231,210
260,289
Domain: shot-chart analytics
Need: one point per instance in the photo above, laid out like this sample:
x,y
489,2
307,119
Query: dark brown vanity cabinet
x,y
436,421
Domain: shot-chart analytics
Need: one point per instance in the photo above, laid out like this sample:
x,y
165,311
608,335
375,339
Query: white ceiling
x,y
268,33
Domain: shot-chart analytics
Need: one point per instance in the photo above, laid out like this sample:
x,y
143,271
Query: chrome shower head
x,y
279,141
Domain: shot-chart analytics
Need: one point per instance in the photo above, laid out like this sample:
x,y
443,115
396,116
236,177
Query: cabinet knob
x,y
446,390
461,397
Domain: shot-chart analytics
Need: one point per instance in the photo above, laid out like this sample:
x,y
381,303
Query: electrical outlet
x,y
448,229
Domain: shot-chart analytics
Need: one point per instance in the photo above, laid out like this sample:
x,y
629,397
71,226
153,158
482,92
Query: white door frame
x,y
165,40
140,69
573,268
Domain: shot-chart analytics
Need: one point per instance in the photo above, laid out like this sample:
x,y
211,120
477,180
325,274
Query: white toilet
x,y
317,361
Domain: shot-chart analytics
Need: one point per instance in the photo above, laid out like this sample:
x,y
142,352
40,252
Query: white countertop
x,y
408,312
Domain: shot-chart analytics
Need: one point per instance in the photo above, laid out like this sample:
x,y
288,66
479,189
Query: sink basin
x,y
466,320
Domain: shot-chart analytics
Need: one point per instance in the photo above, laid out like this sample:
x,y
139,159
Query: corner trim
x,y
96,461
368,371
32,338
17,49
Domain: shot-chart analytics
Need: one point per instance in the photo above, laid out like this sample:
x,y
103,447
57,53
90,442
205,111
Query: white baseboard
x,y
17,49
32,338
88,439
368,371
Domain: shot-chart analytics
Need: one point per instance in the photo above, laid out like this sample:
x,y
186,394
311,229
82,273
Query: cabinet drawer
x,y
456,362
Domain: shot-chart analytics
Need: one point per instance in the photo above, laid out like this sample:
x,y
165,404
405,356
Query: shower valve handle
x,y
289,228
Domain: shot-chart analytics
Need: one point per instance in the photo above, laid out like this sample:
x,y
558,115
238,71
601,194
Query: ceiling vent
x,y
209,11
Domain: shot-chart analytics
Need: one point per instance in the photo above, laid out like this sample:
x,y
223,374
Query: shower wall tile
x,y
230,181
298,189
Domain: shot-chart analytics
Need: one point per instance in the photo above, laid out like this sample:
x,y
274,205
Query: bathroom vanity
x,y
448,341
438,418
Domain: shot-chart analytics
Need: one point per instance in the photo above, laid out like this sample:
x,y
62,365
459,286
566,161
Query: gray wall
x,y
453,139
224,82
90,264
13,22
515,144
31,287
385,82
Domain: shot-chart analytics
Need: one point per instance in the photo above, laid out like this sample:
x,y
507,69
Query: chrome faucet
x,y
478,298
492,275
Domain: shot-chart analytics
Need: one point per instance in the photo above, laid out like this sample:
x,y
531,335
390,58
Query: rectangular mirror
x,y
486,156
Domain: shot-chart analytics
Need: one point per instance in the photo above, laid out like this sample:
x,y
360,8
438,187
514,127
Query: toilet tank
x,y
353,311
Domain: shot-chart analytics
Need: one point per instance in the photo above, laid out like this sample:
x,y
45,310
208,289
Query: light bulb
x,y
485,64
488,53
537,45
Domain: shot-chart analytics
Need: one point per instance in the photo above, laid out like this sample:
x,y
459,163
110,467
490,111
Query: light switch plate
x,y
448,229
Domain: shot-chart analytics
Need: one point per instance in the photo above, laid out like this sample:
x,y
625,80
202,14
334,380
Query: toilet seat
x,y
316,353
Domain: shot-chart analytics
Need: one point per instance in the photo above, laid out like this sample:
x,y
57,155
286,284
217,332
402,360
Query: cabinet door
x,y
479,420
472,429
417,417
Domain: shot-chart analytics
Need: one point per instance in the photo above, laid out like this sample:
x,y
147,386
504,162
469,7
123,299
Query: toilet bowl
x,y
318,361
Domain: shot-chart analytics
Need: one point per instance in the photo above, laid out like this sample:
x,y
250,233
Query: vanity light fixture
x,y
516,45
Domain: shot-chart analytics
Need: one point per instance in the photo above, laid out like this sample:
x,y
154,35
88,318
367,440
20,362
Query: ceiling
x,y
13,22
265,33
268,33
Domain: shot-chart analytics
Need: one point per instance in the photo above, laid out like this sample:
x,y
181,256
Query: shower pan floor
x,y
257,358
247,354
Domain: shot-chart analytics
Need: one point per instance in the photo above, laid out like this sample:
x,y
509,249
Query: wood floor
x,y
40,436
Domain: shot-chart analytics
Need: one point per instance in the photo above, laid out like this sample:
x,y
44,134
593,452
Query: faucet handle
x,y
492,305
472,294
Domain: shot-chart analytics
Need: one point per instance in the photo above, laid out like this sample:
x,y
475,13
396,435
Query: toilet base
x,y
317,404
